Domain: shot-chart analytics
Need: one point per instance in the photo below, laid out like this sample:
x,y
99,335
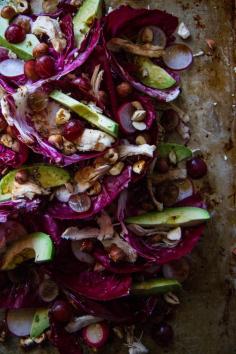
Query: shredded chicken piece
x,y
27,190
87,176
131,150
50,27
130,253
94,140
146,50
106,227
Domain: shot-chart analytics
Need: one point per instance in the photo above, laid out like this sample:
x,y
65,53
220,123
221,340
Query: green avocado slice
x,y
47,176
24,49
97,119
88,11
40,323
155,286
172,217
37,245
181,151
153,75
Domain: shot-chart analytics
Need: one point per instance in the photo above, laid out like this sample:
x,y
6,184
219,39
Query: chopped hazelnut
x,y
139,166
22,176
40,49
62,116
111,156
68,147
95,189
8,12
147,35
140,140
124,89
6,140
137,105
56,140
117,168
139,115
116,253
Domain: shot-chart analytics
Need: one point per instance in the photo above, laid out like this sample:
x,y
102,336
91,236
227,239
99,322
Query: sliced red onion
x,y
80,255
125,113
12,67
96,335
19,321
80,322
178,56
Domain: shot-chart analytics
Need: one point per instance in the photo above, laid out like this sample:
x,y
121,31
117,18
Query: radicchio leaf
x,y
13,208
111,188
10,158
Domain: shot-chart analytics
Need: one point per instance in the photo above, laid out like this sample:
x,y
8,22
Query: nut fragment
x,y
139,166
124,89
8,12
140,140
95,189
37,101
147,35
138,116
137,105
87,246
68,147
22,176
56,140
40,49
117,168
116,253
183,31
62,116
111,156
171,298
173,157
175,234
6,140
139,125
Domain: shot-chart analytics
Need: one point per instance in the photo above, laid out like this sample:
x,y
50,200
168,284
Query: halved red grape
x,y
170,120
15,34
178,56
72,130
30,70
45,66
125,113
196,168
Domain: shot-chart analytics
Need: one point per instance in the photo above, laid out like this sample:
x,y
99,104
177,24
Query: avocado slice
x,y
47,176
181,151
88,11
37,245
155,286
24,49
40,323
97,119
181,216
155,76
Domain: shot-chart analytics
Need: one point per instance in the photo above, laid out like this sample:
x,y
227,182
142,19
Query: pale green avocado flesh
x,y
37,245
181,151
172,217
88,11
155,286
97,119
40,323
153,75
47,176
24,49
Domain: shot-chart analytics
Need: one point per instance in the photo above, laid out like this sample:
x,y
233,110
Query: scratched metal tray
x,y
205,322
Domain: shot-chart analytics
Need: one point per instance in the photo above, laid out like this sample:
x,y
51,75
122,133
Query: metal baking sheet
x,y
205,321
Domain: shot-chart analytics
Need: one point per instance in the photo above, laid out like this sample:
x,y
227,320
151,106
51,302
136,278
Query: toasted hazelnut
x,y
117,168
23,22
22,176
87,246
98,267
6,140
8,12
124,89
37,101
137,105
140,140
147,35
56,140
139,115
68,147
171,298
116,253
139,166
62,116
40,50
139,125
111,156
95,189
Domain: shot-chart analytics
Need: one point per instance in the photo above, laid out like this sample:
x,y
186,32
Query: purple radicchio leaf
x,y
13,208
